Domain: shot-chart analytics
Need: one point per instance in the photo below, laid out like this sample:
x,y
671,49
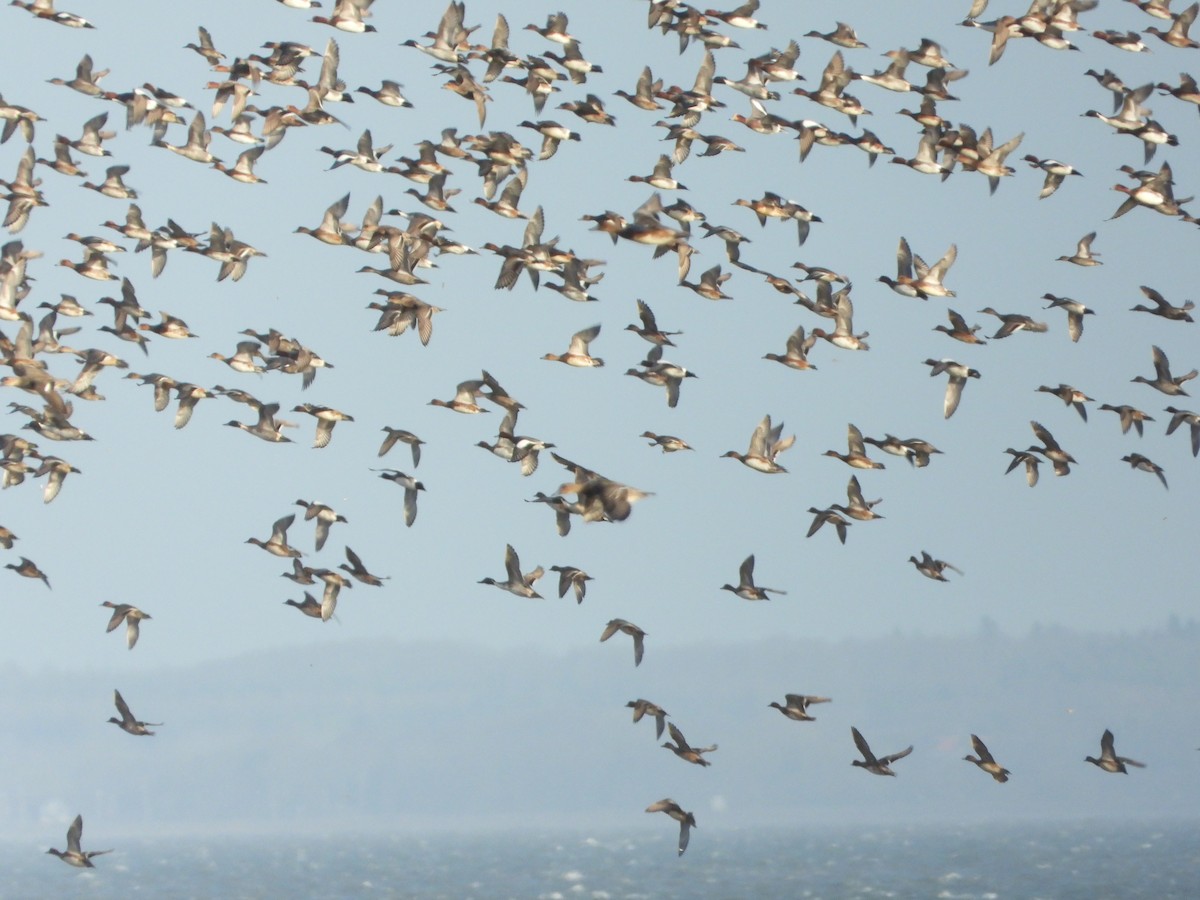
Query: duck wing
x,y
863,747
888,760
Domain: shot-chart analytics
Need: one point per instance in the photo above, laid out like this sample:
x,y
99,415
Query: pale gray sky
x,y
159,518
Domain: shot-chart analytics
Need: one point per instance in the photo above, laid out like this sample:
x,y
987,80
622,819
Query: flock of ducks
x,y
554,62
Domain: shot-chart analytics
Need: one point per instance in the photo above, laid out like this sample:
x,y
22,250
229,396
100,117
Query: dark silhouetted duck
x,y
1109,761
1146,465
309,605
73,855
649,329
615,625
1011,323
746,588
684,750
1184,416
830,515
1070,396
1163,380
875,765
600,499
1130,416
128,722
395,435
646,708
686,820
985,761
359,572
796,706
29,569
1163,308
301,574
933,568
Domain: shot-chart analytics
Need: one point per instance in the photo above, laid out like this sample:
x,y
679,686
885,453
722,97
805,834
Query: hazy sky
x,y
159,517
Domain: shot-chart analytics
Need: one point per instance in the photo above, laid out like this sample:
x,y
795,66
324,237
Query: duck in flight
x,y
128,721
686,820
1109,761
875,765
615,625
515,582
130,615
795,706
765,444
985,761
646,708
933,568
73,855
684,750
746,588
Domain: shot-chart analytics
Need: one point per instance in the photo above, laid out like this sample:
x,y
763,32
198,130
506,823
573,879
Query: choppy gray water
x,y
1078,860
